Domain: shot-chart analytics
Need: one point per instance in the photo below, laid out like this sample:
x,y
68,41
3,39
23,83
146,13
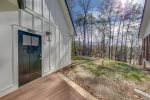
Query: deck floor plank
x,y
51,87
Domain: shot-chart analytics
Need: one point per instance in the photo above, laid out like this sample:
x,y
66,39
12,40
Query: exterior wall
x,y
147,31
144,30
146,45
6,61
146,51
42,16
145,34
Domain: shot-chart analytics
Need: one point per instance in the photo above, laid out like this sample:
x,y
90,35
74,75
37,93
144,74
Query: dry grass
x,y
108,79
111,68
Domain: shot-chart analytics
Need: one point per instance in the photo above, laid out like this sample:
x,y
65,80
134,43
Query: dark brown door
x,y
29,57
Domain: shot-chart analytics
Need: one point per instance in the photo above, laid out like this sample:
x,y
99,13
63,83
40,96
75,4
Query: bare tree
x,y
85,7
112,34
71,5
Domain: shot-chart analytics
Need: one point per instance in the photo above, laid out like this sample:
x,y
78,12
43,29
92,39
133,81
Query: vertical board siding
x,y
52,11
52,47
46,46
27,20
38,6
42,16
146,50
38,24
29,4
46,8
57,46
6,48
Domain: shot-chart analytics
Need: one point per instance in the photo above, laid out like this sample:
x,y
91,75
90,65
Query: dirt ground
x,y
106,88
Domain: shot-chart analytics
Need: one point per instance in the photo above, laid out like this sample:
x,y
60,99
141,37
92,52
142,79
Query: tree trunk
x,y
84,35
91,49
122,39
116,49
125,49
114,34
131,50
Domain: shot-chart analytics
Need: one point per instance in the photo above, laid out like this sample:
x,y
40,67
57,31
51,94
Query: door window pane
x,y
35,41
26,40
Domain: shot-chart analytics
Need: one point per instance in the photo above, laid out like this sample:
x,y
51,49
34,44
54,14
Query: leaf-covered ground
x,y
108,79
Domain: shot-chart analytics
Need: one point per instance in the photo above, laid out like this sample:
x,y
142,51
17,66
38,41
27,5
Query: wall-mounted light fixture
x,y
48,36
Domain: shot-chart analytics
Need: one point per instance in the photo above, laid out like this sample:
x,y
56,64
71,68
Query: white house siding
x,y
42,16
53,52
53,48
64,36
27,20
147,31
6,61
145,25
145,34
57,46
46,55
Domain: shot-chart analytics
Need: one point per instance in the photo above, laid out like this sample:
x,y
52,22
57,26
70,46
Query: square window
x,y
26,40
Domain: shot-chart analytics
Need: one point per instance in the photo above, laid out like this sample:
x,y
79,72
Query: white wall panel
x,y
37,24
70,49
46,8
6,61
46,57
57,46
27,20
61,49
53,48
66,42
60,18
38,6
52,11
58,13
29,4
56,53
147,32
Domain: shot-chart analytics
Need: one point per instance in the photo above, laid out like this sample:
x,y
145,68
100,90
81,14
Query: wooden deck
x,y
51,87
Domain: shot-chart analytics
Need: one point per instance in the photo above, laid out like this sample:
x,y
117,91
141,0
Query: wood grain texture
x,y
51,87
